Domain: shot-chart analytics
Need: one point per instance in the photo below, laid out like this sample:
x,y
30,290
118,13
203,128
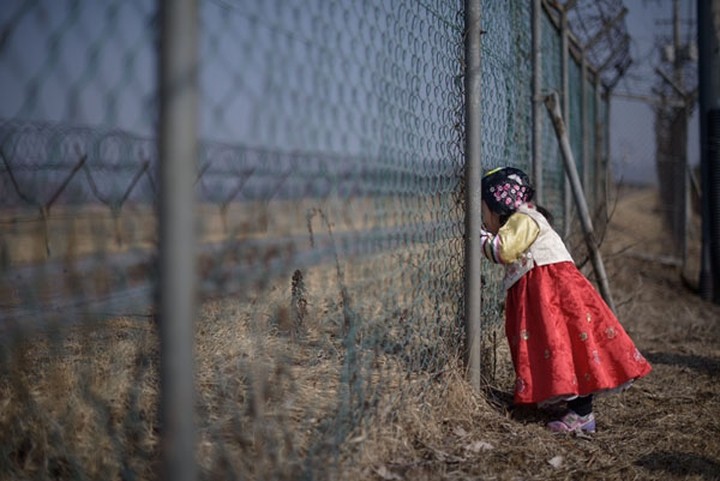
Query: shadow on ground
x,y
681,464
702,364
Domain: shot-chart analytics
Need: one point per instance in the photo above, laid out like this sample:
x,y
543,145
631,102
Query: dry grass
x,y
67,232
273,396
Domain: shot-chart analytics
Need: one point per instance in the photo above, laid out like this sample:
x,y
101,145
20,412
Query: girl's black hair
x,y
505,188
546,213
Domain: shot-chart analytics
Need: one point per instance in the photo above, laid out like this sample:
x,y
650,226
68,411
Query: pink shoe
x,y
572,422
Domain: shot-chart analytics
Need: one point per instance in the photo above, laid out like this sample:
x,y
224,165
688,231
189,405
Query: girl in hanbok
x,y
566,343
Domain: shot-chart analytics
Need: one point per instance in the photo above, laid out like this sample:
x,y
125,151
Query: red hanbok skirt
x,y
564,339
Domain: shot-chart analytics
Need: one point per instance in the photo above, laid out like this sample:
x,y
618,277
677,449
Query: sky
x,y
34,63
93,63
632,135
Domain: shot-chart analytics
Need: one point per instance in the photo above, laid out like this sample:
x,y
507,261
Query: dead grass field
x,y
82,405
30,235
666,427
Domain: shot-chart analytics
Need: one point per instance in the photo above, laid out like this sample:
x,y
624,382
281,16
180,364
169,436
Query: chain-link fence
x,y
655,115
329,216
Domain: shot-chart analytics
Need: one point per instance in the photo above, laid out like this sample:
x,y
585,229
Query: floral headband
x,y
505,189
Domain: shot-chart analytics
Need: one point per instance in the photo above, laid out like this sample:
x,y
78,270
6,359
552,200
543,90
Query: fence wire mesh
x,y
329,216
507,121
554,193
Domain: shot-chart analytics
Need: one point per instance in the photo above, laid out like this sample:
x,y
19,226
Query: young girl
x,y
566,343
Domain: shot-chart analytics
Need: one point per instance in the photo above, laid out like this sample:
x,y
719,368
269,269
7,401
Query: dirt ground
x,y
666,427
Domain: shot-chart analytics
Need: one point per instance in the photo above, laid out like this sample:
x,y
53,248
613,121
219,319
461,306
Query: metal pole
x,y
537,160
553,106
679,154
607,174
473,177
708,18
597,154
587,124
565,74
177,149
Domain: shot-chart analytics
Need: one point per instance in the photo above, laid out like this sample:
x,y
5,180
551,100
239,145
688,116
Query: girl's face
x,y
491,221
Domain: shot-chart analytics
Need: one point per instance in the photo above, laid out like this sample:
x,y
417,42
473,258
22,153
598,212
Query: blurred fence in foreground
x,y
329,210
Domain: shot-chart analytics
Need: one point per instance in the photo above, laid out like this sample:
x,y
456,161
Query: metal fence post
x,y
473,176
708,15
598,152
587,126
552,103
537,106
565,106
177,151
